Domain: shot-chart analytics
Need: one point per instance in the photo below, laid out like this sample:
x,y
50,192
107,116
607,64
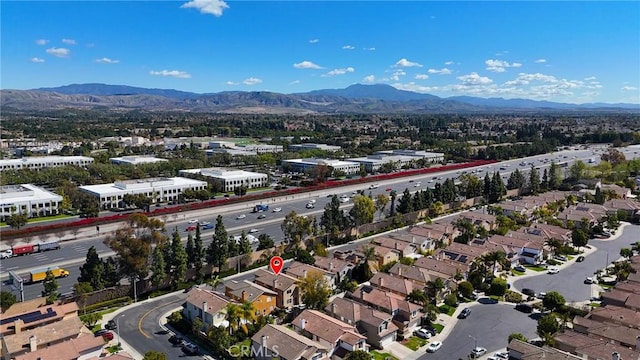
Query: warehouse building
x,y
158,189
306,165
28,199
310,146
41,162
229,179
136,160
418,154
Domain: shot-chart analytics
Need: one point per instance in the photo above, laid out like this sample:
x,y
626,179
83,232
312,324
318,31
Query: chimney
x,y
399,270
263,342
429,234
303,322
33,343
380,281
333,308
615,356
304,273
638,343
331,266
397,246
275,283
244,296
17,325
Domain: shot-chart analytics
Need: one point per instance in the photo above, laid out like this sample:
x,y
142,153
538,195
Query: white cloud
x,y
42,42
313,41
171,73
369,79
525,79
500,65
348,47
252,81
474,79
443,71
69,41
411,86
231,83
449,63
58,52
213,7
541,61
590,78
406,63
106,60
370,49
307,65
629,88
422,76
294,82
340,71
37,60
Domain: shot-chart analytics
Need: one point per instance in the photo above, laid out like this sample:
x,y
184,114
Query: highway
x,y
73,253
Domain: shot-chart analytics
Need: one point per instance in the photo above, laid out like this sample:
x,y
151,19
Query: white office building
x,y
227,147
418,154
158,189
311,146
28,199
305,165
400,158
41,162
136,160
229,179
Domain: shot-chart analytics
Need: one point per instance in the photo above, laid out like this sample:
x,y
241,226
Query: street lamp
x,y
475,340
118,327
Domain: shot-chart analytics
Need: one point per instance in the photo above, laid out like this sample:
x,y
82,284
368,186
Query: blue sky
x,y
560,51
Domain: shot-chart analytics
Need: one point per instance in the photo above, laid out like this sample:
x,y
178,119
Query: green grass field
x,y
414,343
381,356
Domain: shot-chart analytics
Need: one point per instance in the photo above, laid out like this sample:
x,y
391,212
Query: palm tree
x,y
493,258
247,312
434,287
418,296
233,316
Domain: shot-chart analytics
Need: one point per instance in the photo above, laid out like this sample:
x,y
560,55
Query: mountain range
x,y
358,98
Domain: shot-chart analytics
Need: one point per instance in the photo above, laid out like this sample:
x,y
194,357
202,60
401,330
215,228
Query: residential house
x,y
383,254
521,350
285,286
593,347
340,268
206,305
423,244
376,325
83,347
338,337
405,248
418,275
480,219
618,334
621,298
577,213
509,247
439,233
443,269
299,270
629,206
621,192
406,315
277,341
33,318
522,250
512,207
262,299
549,232
616,315
396,285
459,253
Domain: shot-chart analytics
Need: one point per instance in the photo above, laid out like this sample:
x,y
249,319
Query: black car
x,y
580,258
100,332
465,313
525,308
111,325
175,340
528,292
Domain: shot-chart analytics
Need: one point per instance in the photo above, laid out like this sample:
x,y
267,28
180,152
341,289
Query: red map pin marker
x,y
276,264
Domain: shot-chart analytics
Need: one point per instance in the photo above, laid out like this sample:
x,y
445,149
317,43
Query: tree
x,y
547,326
553,301
154,355
50,287
82,291
218,250
517,336
240,190
381,203
333,219
498,287
178,259
579,237
418,296
189,248
315,290
220,339
534,181
466,289
614,156
433,289
92,270
626,253
516,180
7,299
404,205
599,197
576,171
17,220
392,207
363,210
244,246
265,242
494,257
296,228
358,355
248,312
233,312
555,176
198,255
158,266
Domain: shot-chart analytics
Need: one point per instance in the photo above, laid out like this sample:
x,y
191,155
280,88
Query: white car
x,y
502,355
477,352
417,184
193,221
241,216
277,210
253,231
434,346
5,254
422,333
312,201
310,206
553,270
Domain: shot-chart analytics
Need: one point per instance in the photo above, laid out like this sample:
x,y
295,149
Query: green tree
x,y
547,326
198,255
240,190
576,171
50,287
82,291
418,296
498,287
517,336
220,339
466,289
315,290
158,266
381,203
233,315
7,299
555,176
579,237
405,205
265,242
245,245
92,270
626,253
154,355
248,312
534,181
218,250
599,197
363,210
178,259
296,228
333,218
189,248
392,207
358,355
516,180
17,220
553,301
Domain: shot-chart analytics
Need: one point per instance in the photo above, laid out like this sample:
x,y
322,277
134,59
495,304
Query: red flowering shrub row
x,y
32,230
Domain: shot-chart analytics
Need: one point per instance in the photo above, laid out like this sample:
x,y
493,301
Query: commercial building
x,y
228,147
41,162
400,158
158,189
418,154
306,165
136,160
311,146
28,199
230,179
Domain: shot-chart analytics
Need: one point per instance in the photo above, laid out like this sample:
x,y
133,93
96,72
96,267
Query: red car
x,y
388,189
191,228
107,335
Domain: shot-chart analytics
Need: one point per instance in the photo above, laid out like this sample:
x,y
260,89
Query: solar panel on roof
x,y
18,317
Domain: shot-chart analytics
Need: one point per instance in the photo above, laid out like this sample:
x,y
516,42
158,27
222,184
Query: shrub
x,y
451,300
513,297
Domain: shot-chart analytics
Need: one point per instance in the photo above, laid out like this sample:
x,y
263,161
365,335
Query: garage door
x,y
388,339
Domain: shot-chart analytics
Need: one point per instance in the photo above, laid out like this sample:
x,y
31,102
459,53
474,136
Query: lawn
x,y
516,272
595,304
535,268
438,327
446,309
381,356
414,343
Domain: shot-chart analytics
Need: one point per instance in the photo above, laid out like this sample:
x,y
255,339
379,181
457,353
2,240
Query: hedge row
x,y
123,301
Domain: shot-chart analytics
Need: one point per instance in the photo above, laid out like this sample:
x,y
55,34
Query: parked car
x,y
422,333
434,346
589,280
541,295
111,325
477,352
525,308
464,313
190,349
553,270
175,340
107,336
580,258
100,332
528,292
520,268
502,355
560,258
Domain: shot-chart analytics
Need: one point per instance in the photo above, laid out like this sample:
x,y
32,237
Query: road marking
x,y
147,313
